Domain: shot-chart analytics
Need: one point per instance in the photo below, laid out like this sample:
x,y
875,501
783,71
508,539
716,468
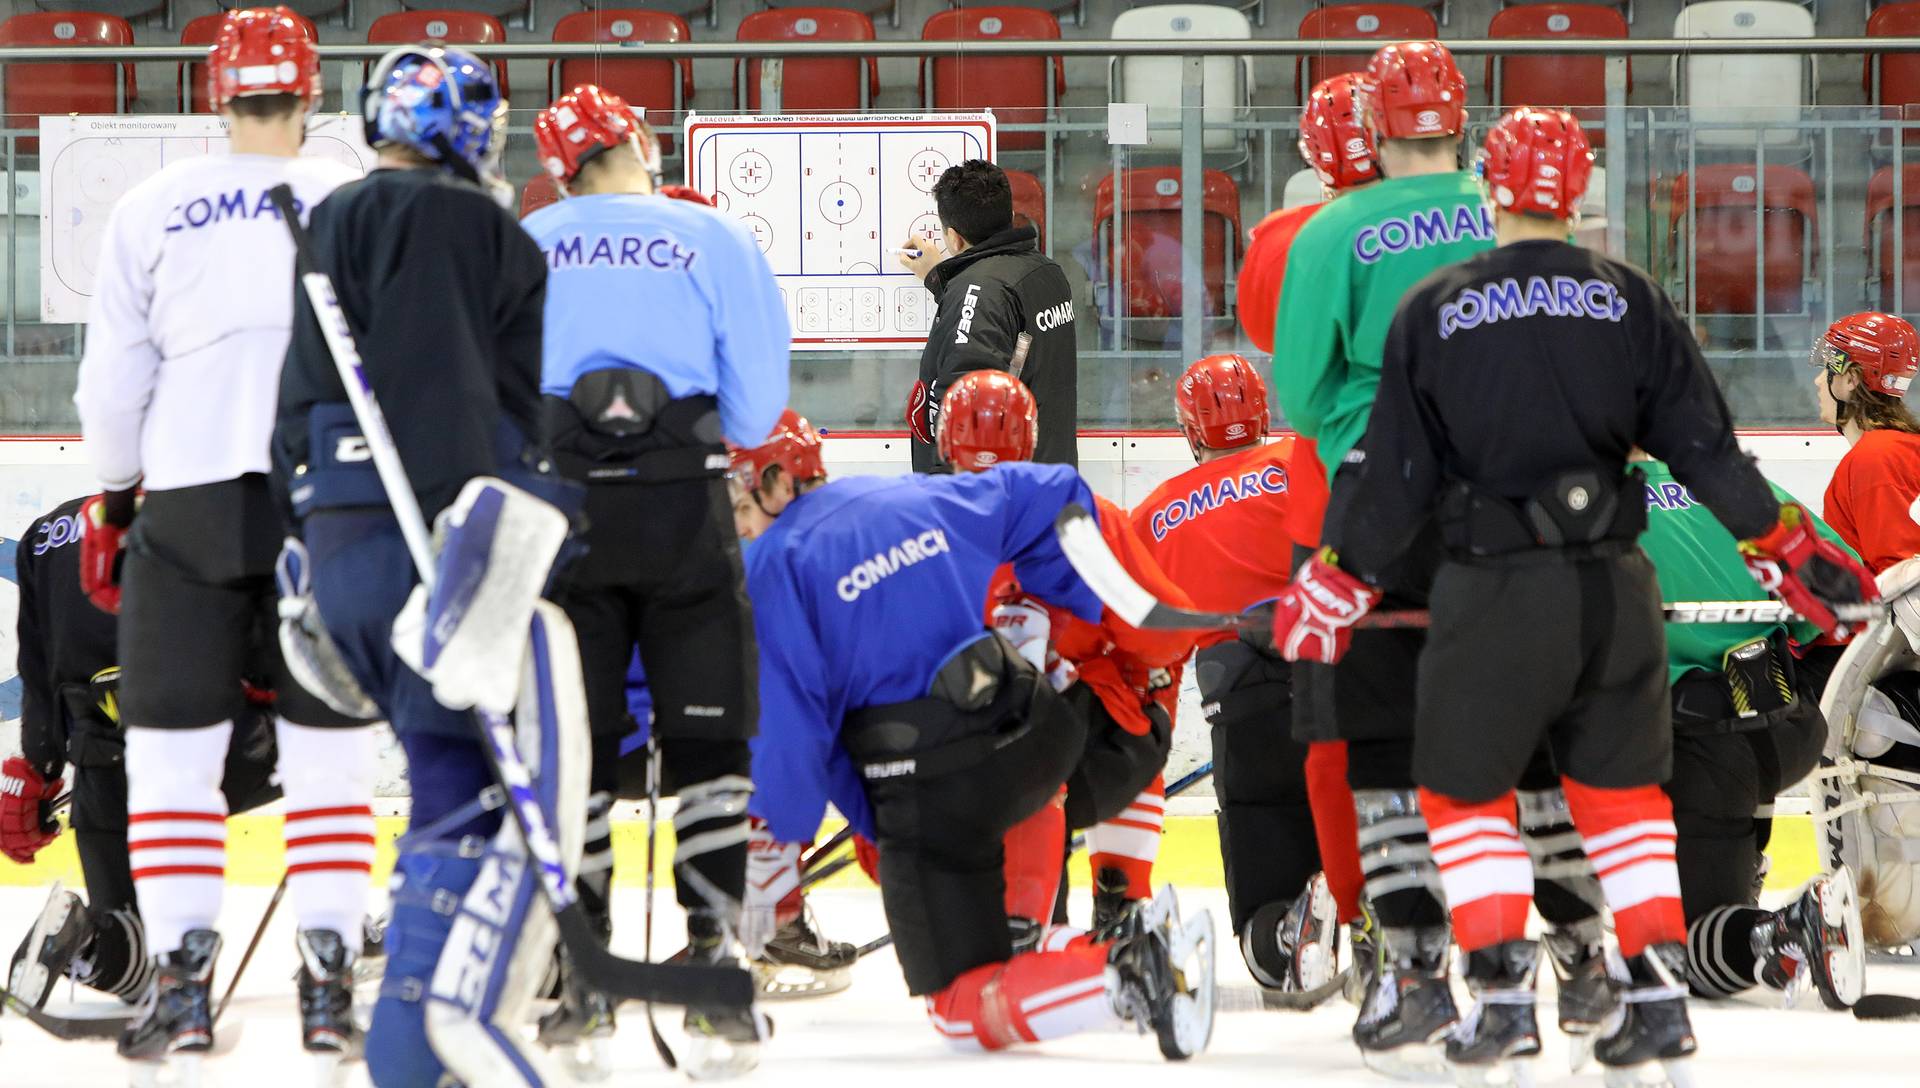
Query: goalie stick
x,y
1087,550
617,977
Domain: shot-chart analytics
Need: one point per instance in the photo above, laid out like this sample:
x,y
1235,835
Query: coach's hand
x,y
929,256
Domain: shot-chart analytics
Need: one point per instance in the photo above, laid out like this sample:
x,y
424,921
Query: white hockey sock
x,y
327,776
177,828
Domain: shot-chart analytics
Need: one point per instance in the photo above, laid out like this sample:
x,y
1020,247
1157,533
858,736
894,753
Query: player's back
x,y
64,635
195,301
1872,494
1220,530
1347,270
887,575
1538,358
641,281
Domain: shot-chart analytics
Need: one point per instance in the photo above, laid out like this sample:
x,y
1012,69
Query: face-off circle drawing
x,y
926,227
840,203
103,179
925,168
751,172
762,231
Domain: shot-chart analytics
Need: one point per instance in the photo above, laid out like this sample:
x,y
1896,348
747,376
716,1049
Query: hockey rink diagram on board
x,y
827,198
90,161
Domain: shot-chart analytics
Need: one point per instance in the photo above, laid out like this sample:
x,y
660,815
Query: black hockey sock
x,y
595,881
1720,959
1402,882
115,960
1565,889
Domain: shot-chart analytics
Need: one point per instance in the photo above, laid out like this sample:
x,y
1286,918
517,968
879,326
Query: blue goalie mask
x,y
442,102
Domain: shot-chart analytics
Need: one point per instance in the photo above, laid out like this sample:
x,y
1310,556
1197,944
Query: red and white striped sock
x,y
327,777
1130,842
1630,837
1035,996
177,828
1484,867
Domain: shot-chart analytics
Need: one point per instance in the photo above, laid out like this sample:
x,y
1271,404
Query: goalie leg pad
x,y
497,546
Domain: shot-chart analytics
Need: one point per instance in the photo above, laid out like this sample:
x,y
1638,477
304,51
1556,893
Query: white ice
x,y
874,1036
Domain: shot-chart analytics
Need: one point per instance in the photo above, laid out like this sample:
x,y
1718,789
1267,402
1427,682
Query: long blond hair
x,y
1872,410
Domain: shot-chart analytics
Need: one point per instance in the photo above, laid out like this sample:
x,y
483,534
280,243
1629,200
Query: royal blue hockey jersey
x,y
666,286
862,590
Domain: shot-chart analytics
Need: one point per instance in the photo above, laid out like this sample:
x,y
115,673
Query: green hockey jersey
x,y
1346,273
1696,559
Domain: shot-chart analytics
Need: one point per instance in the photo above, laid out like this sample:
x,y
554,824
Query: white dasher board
x,y
827,197
89,161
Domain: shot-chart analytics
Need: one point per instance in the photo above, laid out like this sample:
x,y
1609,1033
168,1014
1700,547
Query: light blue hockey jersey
x,y
667,286
862,590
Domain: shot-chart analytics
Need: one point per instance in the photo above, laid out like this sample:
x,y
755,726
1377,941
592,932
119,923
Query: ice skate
x,y
1648,1039
1409,1006
1579,957
1112,909
1816,941
800,962
1291,949
581,1026
1164,976
51,948
722,1042
1496,1042
177,1022
325,983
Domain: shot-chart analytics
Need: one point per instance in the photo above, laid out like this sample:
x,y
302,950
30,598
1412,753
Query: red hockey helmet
x,y
687,193
1413,90
1221,402
987,417
1537,162
1333,140
1884,347
263,51
793,445
586,121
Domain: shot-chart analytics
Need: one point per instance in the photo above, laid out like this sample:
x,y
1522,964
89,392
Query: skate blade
x,y
329,1070
1418,1063
1512,1073
1191,948
788,982
708,1057
1579,1051
1671,1074
1845,967
1318,961
30,981
179,1070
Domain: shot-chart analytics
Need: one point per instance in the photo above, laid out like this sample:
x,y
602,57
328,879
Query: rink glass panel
x,y
1762,232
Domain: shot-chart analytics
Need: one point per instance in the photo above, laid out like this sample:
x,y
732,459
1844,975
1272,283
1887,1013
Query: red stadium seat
x,y
539,192
1893,79
1578,83
35,89
816,84
1394,22
1029,203
1882,252
1150,253
1017,89
1725,242
660,87
193,75
455,27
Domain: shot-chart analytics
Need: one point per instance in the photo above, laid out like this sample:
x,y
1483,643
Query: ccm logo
x,y
351,449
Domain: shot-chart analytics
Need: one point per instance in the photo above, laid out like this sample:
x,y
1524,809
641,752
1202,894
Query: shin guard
x,y
1483,867
327,776
1334,824
1040,995
1629,834
177,828
1130,842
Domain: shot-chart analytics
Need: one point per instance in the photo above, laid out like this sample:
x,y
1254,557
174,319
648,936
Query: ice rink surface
x,y
874,1036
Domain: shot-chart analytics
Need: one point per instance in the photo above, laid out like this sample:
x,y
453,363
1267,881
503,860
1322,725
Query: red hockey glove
x,y
916,414
1807,571
868,855
1313,620
103,546
773,886
685,192
26,810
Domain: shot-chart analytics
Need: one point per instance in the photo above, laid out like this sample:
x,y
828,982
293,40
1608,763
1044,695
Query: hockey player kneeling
x,y
882,691
1514,386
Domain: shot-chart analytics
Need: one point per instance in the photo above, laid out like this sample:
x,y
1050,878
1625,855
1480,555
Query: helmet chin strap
x,y
1839,407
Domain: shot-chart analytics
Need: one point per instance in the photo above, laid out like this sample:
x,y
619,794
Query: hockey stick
x,y
1186,782
246,957
67,1027
819,853
599,968
1080,540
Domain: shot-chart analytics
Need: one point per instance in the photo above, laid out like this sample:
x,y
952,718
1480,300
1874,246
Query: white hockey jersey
x,y
190,319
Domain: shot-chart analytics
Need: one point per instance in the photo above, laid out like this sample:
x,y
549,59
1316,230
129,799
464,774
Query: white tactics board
x,y
89,161
827,197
